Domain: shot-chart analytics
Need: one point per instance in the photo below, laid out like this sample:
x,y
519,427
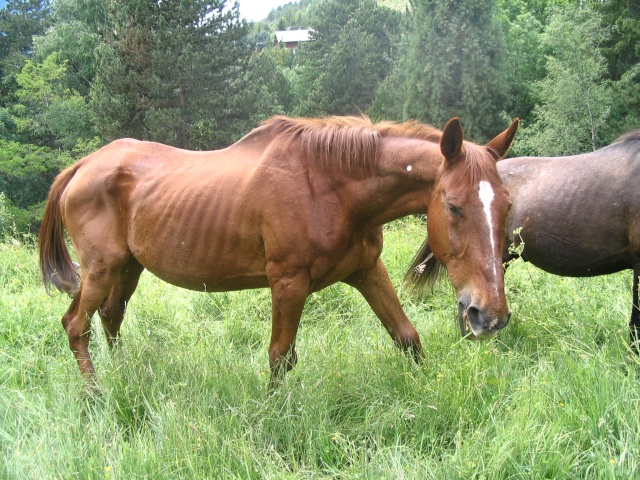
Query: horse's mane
x,y
632,136
346,143
630,140
350,143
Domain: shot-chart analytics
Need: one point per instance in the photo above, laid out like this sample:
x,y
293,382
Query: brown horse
x,y
296,205
577,216
580,215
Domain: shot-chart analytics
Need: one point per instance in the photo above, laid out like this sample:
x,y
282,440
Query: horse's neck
x,y
405,176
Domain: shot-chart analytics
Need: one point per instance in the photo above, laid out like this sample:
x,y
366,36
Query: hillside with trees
x,y
77,74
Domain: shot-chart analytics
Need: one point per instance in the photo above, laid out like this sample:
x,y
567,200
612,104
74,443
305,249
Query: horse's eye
x,y
455,211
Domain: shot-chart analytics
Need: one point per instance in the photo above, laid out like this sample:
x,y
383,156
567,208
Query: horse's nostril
x,y
473,314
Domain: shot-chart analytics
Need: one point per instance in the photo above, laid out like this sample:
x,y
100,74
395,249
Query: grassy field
x,y
556,395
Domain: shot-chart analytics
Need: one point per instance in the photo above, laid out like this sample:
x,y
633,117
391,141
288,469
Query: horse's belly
x,y
576,257
203,274
210,283
202,262
575,266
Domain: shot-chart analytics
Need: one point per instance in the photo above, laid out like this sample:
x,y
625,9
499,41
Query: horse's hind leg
x,y
94,287
99,271
76,323
113,308
634,323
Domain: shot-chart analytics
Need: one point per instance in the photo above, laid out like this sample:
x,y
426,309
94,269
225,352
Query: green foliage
x,y
269,90
26,172
554,396
83,72
575,98
291,15
622,55
389,99
6,218
75,46
456,66
621,47
400,5
350,54
20,20
171,72
525,63
7,125
48,111
388,103
625,114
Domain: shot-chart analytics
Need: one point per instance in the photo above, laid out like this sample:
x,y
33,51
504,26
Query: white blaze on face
x,y
486,197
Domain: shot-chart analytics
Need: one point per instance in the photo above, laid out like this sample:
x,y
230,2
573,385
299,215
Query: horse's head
x,y
465,218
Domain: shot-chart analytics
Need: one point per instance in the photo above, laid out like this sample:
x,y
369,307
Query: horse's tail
x,y
56,264
424,272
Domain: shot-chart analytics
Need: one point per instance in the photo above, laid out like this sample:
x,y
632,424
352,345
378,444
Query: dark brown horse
x,y
296,205
580,215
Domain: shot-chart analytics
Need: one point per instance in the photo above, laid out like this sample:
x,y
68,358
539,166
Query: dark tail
x,y
56,264
425,271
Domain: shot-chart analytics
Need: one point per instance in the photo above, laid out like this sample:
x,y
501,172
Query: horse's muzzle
x,y
475,324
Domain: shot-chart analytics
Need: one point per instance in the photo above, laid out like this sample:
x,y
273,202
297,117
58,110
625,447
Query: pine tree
x,y
456,65
350,54
621,48
198,62
121,89
171,71
622,53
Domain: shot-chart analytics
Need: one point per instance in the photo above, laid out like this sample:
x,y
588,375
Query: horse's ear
x,y
451,140
502,143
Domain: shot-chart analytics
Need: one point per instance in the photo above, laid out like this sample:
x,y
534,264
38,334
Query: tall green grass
x,y
556,395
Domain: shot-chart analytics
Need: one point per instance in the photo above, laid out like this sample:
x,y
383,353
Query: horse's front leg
x,y
375,286
288,296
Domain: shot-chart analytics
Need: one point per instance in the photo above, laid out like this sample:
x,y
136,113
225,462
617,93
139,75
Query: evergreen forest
x,y
77,74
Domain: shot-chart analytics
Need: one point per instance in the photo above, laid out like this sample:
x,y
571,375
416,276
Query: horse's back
x,y
578,215
181,214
